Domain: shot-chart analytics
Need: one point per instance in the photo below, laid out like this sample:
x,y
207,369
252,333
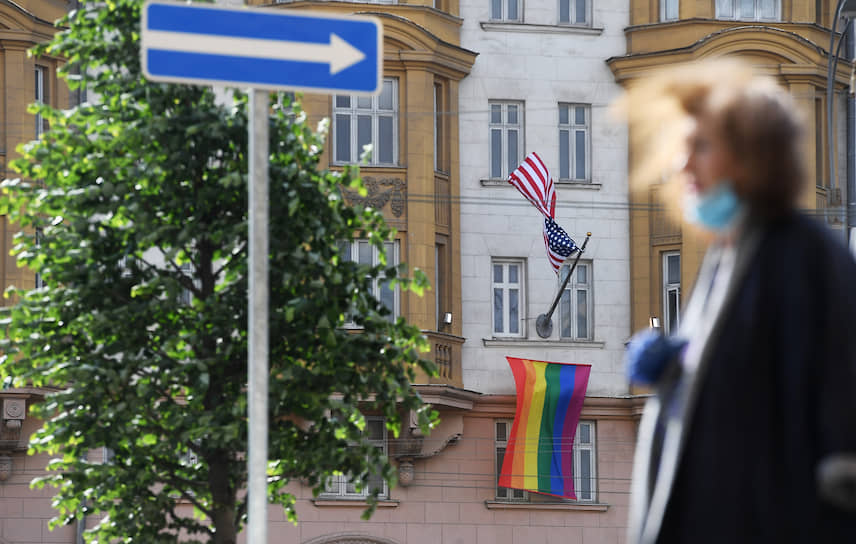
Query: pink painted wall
x,y
450,501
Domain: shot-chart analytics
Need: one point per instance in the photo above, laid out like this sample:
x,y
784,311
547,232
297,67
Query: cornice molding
x,y
529,28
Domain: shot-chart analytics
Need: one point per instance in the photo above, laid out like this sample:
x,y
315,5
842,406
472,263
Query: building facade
x,y
788,39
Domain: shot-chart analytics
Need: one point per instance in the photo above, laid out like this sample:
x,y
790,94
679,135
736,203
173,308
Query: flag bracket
x,y
544,323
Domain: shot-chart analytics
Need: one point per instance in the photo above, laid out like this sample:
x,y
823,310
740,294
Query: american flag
x,y
559,244
533,181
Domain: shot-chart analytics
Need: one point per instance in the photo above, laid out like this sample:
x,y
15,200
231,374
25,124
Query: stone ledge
x,y
526,343
579,506
540,29
354,502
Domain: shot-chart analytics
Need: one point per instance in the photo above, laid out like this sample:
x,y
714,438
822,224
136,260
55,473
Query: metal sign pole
x,y
258,319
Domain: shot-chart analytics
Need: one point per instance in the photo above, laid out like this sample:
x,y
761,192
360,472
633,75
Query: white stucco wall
x,y
543,64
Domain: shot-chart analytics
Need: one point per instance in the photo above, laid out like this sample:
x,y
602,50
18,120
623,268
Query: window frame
x,y
575,286
573,128
346,487
519,495
591,447
503,14
734,6
572,13
504,127
669,287
392,259
506,287
353,111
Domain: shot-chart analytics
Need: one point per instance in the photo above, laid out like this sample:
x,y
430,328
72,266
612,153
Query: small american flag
x,y
559,244
533,181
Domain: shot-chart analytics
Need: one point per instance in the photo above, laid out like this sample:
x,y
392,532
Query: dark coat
x,y
774,396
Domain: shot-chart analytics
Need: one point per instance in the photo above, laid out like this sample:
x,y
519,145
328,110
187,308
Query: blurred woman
x,y
751,435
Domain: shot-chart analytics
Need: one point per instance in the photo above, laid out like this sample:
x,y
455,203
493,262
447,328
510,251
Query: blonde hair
x,y
757,118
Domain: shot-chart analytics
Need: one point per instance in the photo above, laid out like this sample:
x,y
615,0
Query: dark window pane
x,y
386,98
582,274
582,314
512,273
385,140
565,12
565,314
580,15
512,150
496,113
564,154
496,9
564,115
512,10
497,311
674,265
364,102
496,153
343,101
364,134
501,434
513,311
585,474
580,155
343,138
580,115
512,114
585,433
497,273
365,253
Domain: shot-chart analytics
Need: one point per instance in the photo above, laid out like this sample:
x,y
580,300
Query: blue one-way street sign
x,y
261,48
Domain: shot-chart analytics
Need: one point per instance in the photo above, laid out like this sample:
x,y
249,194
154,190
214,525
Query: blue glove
x,y
648,354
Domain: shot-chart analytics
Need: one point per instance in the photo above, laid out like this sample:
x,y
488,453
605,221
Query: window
x,y
748,10
440,157
362,252
575,306
574,141
671,291
41,97
506,138
503,431
442,285
584,470
505,10
367,120
575,12
585,476
669,10
508,298
342,486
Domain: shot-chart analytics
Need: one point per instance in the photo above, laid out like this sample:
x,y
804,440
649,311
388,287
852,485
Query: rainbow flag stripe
x,y
539,454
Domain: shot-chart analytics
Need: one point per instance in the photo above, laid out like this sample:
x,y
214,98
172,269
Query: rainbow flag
x,y
539,456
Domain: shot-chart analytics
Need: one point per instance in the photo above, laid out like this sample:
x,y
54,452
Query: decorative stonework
x,y
406,473
350,538
392,191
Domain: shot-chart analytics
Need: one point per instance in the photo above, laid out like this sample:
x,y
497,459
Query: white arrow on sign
x,y
339,54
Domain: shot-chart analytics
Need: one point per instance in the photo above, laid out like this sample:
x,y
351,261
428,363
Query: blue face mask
x,y
716,209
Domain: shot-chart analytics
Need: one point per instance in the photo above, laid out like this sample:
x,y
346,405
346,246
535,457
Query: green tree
x,y
133,212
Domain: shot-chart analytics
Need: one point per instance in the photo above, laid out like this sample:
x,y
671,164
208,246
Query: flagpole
x,y
544,323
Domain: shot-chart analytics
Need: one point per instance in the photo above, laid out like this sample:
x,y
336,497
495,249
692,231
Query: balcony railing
x,y
446,354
